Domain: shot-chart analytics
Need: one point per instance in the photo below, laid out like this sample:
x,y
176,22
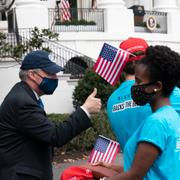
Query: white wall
x,y
59,102
129,3
49,3
178,3
31,13
89,44
147,4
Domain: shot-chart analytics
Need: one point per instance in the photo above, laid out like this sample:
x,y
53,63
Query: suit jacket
x,y
27,136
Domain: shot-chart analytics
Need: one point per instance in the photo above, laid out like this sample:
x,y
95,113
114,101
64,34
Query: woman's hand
x,y
101,163
115,167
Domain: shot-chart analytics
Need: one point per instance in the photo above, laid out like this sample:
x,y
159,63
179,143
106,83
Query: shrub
x,y
36,40
143,24
85,87
76,66
86,139
75,22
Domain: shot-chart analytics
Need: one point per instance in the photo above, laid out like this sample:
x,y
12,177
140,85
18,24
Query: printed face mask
x,y
140,96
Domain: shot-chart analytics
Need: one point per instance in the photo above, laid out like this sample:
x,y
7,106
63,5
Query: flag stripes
x,y
104,150
110,63
65,10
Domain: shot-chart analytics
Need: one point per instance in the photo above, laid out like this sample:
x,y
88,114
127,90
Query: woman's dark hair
x,y
163,65
178,84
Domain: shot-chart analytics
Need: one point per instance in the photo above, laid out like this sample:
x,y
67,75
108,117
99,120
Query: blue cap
x,y
40,60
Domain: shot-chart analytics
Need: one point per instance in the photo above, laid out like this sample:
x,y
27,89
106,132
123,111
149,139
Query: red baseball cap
x,y
77,173
136,46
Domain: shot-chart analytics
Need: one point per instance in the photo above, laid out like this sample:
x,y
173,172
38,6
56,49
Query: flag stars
x,y
102,145
108,52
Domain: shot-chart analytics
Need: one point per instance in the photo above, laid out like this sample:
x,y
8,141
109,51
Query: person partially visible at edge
x,y
153,151
123,114
26,134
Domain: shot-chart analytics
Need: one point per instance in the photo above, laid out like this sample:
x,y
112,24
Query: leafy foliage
x,y
38,38
18,51
86,139
4,46
87,84
143,24
75,22
36,41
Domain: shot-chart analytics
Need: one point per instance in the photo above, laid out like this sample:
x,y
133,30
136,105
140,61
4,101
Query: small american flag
x,y
104,150
65,10
110,63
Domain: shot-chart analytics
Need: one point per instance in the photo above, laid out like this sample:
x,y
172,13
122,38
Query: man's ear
x,y
30,74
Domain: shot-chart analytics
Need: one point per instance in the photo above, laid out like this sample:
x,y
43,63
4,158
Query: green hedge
x,y
143,24
100,125
76,22
86,85
86,139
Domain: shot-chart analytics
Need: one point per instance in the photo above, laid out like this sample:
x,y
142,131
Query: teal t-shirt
x,y
125,116
175,99
161,129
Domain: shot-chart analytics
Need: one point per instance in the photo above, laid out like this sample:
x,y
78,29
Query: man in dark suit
x,y
26,134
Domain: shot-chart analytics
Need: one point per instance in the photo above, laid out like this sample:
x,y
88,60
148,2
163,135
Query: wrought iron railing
x,y
74,62
11,43
161,18
81,19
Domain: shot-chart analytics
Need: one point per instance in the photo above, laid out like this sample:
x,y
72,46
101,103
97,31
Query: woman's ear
x,y
157,86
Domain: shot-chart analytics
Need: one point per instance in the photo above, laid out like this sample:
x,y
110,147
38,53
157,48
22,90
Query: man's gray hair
x,y
23,74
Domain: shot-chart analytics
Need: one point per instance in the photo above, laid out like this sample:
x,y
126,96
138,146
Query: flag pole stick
x,y
128,52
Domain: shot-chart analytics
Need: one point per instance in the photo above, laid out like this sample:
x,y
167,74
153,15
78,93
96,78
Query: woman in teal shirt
x,y
153,152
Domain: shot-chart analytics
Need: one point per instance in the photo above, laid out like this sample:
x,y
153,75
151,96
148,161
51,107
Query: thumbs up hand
x,y
92,104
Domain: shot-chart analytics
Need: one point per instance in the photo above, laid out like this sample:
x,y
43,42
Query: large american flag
x,y
104,150
65,10
110,63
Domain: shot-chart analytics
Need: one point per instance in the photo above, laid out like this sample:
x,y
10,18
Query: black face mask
x,y
48,85
139,96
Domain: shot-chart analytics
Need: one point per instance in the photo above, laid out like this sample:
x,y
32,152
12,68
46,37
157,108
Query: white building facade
x,y
118,25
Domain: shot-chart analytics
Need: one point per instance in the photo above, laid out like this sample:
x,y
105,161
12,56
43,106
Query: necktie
x,y
40,103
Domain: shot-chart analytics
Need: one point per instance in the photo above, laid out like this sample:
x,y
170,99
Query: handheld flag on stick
x,y
104,150
110,63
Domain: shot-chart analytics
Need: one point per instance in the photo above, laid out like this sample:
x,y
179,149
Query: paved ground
x,y
58,168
